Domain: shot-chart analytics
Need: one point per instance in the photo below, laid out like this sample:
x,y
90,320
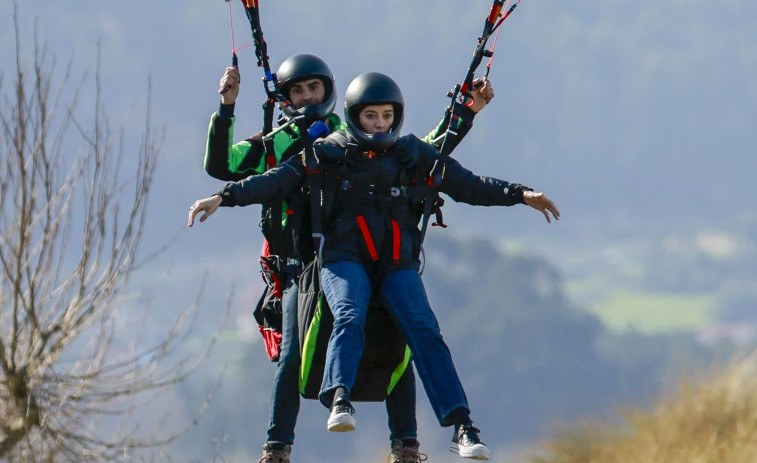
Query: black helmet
x,y
369,89
300,67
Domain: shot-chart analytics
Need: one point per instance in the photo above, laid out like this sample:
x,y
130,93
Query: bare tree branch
x,y
73,206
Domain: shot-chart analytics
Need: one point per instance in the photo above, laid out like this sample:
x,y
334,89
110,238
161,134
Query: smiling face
x,y
307,92
376,118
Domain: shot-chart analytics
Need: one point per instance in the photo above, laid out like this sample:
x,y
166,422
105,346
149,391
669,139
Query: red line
x,y
367,237
396,239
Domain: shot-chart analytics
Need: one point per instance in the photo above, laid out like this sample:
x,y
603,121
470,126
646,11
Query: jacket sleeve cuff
x,y
226,110
227,200
518,192
467,114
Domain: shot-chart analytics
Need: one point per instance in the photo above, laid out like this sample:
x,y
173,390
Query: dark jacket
x,y
229,161
370,212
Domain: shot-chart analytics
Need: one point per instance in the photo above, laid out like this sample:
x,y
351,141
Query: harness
x,y
397,203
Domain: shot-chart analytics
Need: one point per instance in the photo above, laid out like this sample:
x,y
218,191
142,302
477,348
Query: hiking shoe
x,y
341,419
275,453
408,454
467,444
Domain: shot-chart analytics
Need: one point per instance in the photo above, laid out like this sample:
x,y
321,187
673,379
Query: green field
x,y
654,313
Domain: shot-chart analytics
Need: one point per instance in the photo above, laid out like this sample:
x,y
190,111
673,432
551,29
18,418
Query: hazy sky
x,y
626,118
620,119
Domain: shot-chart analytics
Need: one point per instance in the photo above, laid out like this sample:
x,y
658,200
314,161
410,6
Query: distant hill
x,y
526,353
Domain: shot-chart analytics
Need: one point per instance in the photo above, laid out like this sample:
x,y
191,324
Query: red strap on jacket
x,y
367,237
396,237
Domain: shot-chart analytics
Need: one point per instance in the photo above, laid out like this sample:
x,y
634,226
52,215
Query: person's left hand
x,y
482,94
540,202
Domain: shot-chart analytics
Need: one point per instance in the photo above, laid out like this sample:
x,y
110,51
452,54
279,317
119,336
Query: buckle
x,y
397,191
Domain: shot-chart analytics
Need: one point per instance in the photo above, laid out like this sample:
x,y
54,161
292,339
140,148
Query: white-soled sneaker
x,y
467,444
341,419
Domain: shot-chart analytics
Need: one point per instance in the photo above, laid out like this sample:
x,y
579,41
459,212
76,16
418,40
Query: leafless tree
x,y
73,202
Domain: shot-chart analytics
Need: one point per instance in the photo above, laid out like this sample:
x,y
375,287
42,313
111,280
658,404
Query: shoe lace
x,y
470,433
407,455
343,407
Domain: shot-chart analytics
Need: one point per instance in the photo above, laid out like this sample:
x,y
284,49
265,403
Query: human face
x,y
376,118
307,92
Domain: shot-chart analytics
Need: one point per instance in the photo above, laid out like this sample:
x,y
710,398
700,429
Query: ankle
x,y
275,445
410,442
341,394
460,417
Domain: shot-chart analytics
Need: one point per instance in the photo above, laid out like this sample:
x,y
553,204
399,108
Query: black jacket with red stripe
x,y
372,201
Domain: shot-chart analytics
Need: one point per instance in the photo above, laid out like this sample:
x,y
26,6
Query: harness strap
x,y
396,241
367,237
374,191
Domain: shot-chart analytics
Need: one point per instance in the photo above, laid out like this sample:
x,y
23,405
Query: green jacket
x,y
230,161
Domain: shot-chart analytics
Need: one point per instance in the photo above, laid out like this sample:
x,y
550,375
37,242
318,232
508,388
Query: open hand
x,y
540,202
208,205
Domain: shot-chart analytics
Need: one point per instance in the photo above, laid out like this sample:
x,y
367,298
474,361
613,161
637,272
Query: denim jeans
x,y
347,287
285,396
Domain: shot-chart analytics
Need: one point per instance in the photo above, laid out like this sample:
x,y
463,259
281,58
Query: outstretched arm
x,y
208,205
464,186
540,202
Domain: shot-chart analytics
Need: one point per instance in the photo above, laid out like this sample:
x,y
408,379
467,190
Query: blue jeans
x,y
285,396
347,287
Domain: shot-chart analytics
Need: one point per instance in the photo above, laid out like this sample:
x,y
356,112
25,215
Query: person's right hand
x,y
230,79
209,205
482,93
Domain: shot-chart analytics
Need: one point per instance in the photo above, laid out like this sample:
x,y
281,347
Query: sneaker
x,y
407,454
467,444
341,419
275,453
